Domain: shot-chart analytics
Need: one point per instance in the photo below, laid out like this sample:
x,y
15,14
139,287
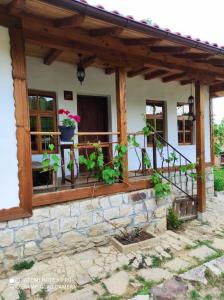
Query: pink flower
x,y
61,111
77,118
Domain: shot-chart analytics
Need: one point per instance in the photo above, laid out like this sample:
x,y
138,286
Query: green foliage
x,y
43,293
147,161
172,158
195,295
50,161
148,129
67,122
22,295
161,189
156,261
219,179
132,141
95,162
173,220
23,265
219,137
146,286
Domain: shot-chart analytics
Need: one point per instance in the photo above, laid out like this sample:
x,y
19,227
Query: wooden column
x,y
200,146
122,113
212,141
22,119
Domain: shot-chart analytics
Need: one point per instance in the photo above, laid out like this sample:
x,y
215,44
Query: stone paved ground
x,y
184,265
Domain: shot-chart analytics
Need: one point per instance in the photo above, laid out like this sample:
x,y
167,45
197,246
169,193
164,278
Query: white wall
x,y
9,190
60,76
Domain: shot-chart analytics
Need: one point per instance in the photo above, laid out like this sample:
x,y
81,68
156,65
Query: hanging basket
x,y
67,133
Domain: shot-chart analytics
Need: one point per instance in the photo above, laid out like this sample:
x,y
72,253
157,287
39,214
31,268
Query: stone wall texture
x,y
76,226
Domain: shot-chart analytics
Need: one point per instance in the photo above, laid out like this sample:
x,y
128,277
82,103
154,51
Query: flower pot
x,y
67,133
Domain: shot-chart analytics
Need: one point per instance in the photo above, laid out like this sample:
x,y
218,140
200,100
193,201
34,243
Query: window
x,y
155,115
185,128
43,114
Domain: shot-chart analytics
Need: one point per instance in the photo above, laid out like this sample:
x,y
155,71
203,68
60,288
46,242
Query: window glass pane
x,y
46,103
180,125
47,124
158,110
33,127
180,138
180,110
159,125
186,109
188,125
149,109
151,122
188,137
33,102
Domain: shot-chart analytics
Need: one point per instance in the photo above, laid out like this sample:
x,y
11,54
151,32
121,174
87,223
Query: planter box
x,y
149,243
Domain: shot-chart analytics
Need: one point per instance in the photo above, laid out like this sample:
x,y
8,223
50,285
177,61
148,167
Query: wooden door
x,y
93,111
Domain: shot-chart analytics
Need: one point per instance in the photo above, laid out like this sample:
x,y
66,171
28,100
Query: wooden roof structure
x,y
67,30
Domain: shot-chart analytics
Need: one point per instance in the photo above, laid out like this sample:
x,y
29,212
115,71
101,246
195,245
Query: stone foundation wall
x,y
77,226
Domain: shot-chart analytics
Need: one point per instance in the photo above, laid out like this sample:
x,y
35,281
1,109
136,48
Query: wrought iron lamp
x,y
81,74
191,116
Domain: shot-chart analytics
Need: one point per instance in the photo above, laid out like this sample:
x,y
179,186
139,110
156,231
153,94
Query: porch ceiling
x,y
59,30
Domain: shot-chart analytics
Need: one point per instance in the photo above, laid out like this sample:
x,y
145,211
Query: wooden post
x,y
122,113
200,146
212,141
22,119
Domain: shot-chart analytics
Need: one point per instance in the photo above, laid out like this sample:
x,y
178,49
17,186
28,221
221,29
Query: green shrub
x,y
23,265
173,220
219,179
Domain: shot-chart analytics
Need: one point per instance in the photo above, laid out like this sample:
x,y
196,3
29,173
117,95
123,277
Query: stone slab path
x,y
186,257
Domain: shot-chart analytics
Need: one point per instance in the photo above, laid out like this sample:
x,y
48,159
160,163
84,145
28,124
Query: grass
x,y
146,286
21,295
43,293
195,295
109,298
96,280
23,265
219,179
127,268
156,261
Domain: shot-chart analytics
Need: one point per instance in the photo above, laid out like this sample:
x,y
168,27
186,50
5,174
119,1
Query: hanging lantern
x,y
81,74
191,116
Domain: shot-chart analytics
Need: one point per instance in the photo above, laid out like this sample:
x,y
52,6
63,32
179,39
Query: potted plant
x,y
68,124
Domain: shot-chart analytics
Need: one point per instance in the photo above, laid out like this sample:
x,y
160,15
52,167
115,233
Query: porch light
x,y
191,116
80,73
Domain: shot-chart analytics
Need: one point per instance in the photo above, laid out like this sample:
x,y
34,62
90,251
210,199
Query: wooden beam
x,y
70,22
154,74
168,49
212,139
51,56
141,41
22,119
217,87
109,71
173,77
88,61
137,72
193,56
187,81
122,114
200,145
112,31
15,7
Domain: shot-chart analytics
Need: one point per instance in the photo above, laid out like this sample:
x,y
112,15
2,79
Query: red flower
x,y
77,118
61,111
67,112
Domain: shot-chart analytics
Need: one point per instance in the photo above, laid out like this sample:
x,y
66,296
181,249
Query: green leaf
x,y
51,147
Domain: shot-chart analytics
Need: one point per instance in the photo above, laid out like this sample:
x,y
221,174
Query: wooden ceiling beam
x,y
88,61
168,49
174,77
109,71
154,74
186,81
218,87
51,56
70,22
15,7
141,41
112,31
193,56
139,71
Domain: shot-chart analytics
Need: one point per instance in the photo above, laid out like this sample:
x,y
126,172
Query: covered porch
x,y
115,53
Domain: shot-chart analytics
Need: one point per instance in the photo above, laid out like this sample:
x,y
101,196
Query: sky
x,y
199,18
